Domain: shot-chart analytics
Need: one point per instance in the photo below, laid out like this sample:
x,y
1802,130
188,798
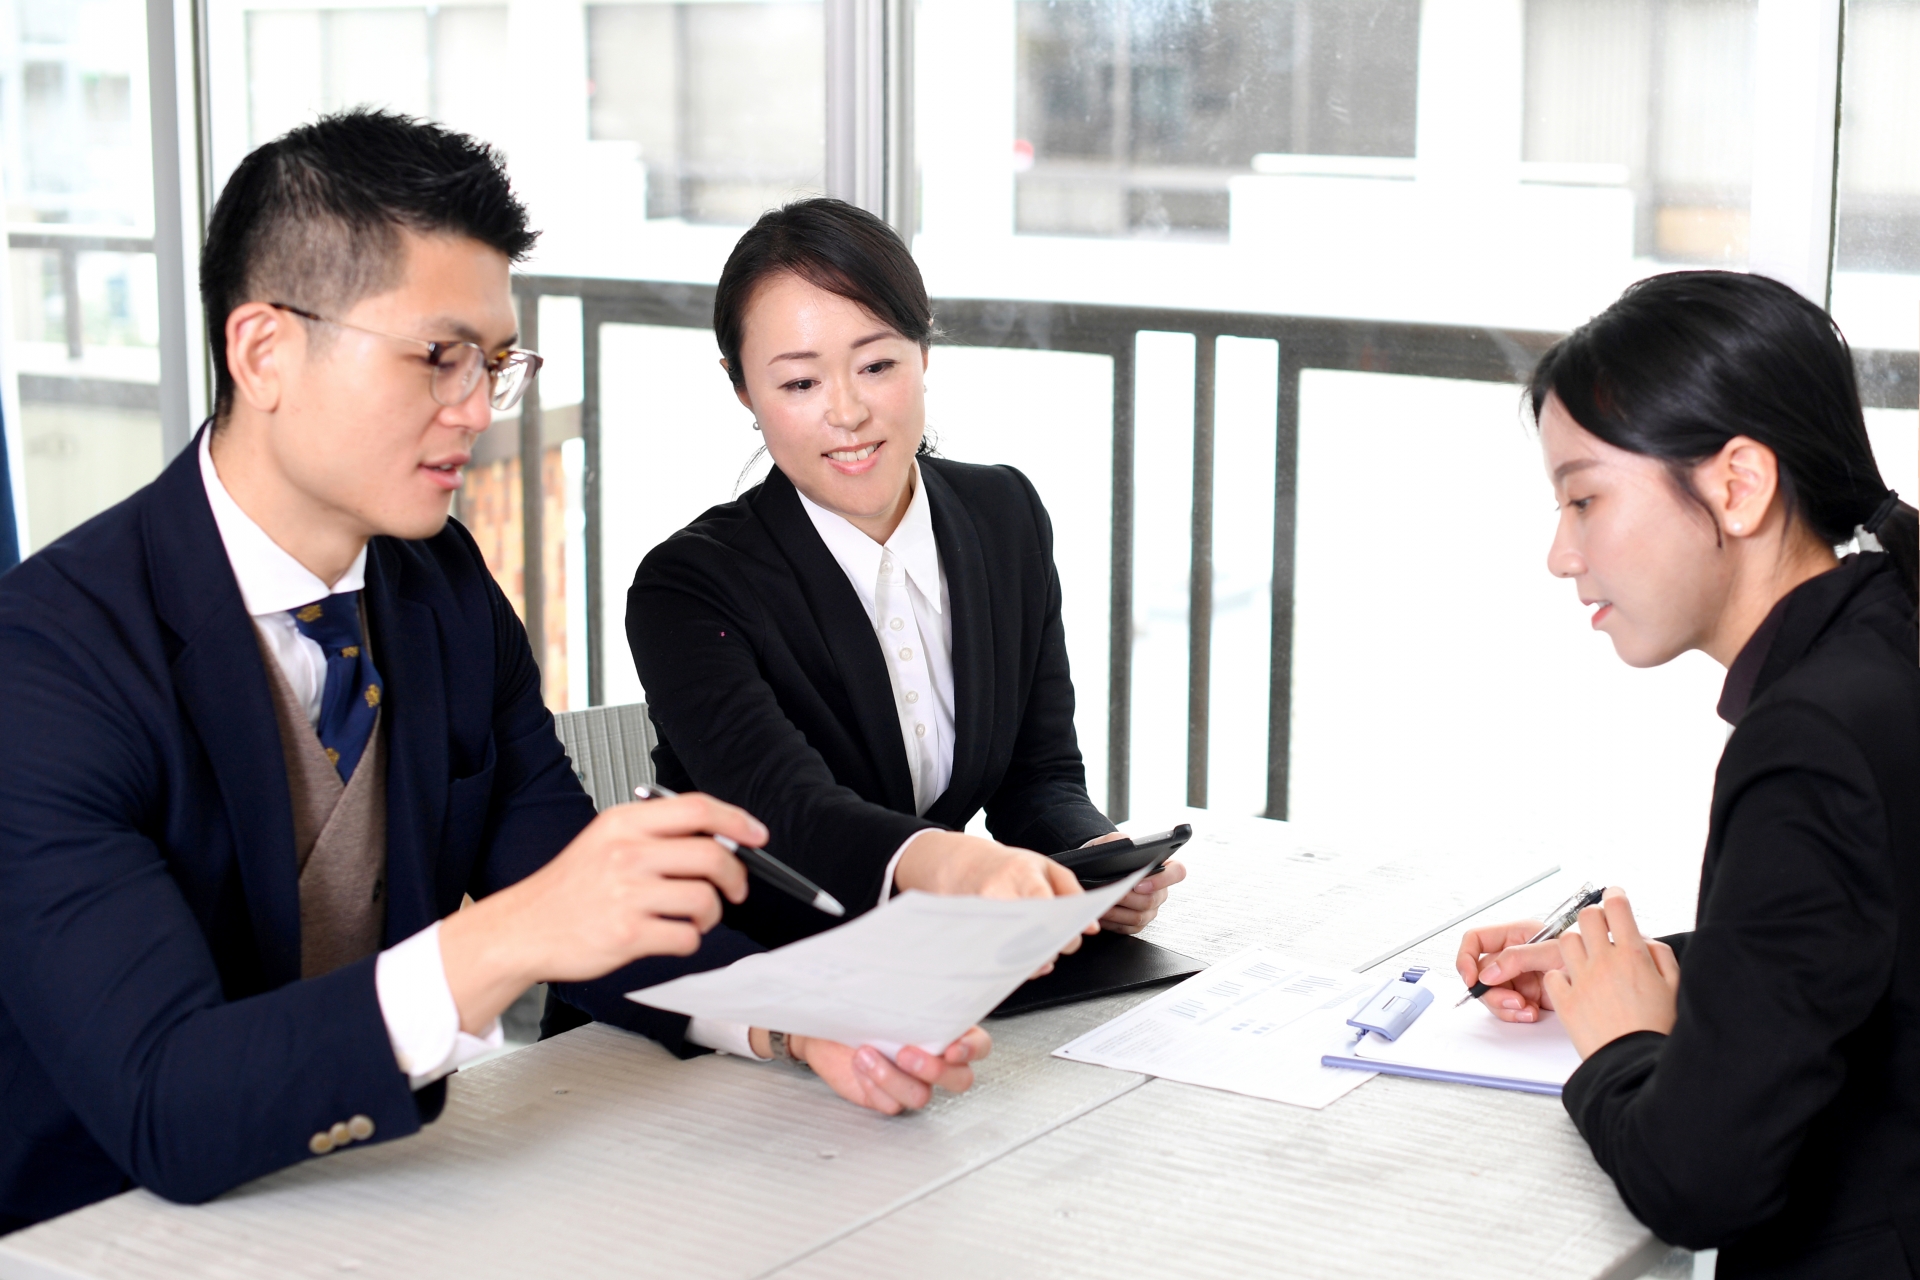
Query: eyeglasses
x,y
457,366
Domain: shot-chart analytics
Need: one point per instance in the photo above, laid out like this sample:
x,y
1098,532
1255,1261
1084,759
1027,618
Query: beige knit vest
x,y
339,836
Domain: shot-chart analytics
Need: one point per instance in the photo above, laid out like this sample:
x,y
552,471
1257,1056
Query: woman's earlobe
x,y
1749,476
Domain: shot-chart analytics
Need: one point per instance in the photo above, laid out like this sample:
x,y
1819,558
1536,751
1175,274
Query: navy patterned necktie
x,y
353,687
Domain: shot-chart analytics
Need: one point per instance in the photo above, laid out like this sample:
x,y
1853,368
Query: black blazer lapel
x,y
970,603
406,648
848,633
219,675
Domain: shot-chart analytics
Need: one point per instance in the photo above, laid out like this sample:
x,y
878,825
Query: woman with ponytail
x,y
1754,1085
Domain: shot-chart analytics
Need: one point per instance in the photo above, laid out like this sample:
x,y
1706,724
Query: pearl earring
x,y
756,424
1733,526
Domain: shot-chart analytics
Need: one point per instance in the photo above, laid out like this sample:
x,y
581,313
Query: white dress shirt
x,y
410,979
415,1002
904,589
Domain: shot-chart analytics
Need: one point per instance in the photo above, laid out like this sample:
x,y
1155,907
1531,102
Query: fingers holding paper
x,y
868,1078
1612,981
951,862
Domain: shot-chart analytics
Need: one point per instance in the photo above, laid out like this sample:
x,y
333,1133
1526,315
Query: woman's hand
x,y
957,863
1499,956
952,862
1611,981
865,1077
1136,911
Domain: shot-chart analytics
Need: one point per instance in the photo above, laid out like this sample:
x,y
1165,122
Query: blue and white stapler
x,y
1394,1006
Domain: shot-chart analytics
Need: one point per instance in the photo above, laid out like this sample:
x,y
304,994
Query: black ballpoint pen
x,y
771,869
1558,923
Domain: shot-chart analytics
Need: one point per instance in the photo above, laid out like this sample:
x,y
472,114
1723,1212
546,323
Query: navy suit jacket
x,y
154,1028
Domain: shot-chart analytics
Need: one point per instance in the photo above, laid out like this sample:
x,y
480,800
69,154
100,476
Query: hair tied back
x,y
1887,507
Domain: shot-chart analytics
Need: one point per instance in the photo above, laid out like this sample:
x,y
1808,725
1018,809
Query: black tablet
x,y
1099,864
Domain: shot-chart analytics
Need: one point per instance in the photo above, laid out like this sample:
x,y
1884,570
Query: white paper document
x,y
1255,1023
918,969
1469,1045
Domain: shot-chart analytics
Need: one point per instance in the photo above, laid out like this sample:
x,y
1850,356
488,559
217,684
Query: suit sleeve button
x,y
340,1135
361,1128
320,1143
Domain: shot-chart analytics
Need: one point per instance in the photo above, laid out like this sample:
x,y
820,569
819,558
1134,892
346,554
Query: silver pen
x,y
1563,918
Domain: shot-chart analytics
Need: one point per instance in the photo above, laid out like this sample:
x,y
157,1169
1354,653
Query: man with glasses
x,y
267,722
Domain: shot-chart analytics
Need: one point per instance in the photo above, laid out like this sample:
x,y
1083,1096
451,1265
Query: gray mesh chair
x,y
611,749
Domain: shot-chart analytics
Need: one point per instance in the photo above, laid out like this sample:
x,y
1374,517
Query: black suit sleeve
x,y
723,720
107,974
1795,948
1043,803
539,808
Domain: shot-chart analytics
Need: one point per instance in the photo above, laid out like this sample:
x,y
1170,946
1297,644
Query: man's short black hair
x,y
313,218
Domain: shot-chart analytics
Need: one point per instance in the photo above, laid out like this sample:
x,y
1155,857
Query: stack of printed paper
x,y
1257,1023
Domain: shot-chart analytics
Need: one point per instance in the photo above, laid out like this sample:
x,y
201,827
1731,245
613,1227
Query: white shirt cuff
x,y
893,863
723,1037
423,1024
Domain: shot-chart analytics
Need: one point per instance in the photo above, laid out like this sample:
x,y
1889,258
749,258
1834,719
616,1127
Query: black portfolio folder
x,y
1104,964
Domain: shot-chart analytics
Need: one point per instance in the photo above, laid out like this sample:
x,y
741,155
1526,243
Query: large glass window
x,y
1423,191
1131,118
1876,282
79,275
1245,287
668,77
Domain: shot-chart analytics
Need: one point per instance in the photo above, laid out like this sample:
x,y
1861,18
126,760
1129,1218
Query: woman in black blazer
x,y
865,650
1753,1085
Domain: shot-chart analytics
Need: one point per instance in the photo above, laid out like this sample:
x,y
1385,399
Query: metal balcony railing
x,y
1889,380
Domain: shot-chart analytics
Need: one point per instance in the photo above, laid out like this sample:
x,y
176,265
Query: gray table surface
x,y
599,1153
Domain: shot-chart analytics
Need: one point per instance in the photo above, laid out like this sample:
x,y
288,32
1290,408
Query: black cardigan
x,y
1780,1121
769,689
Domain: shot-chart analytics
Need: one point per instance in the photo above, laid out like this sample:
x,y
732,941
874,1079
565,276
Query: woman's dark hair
x,y
834,246
1685,362
313,218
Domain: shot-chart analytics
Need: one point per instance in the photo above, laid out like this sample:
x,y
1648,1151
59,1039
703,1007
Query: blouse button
x,y
906,655
919,731
896,624
912,696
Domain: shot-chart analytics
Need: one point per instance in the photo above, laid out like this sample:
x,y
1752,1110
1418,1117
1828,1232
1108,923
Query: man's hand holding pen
x,y
1603,979
639,880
